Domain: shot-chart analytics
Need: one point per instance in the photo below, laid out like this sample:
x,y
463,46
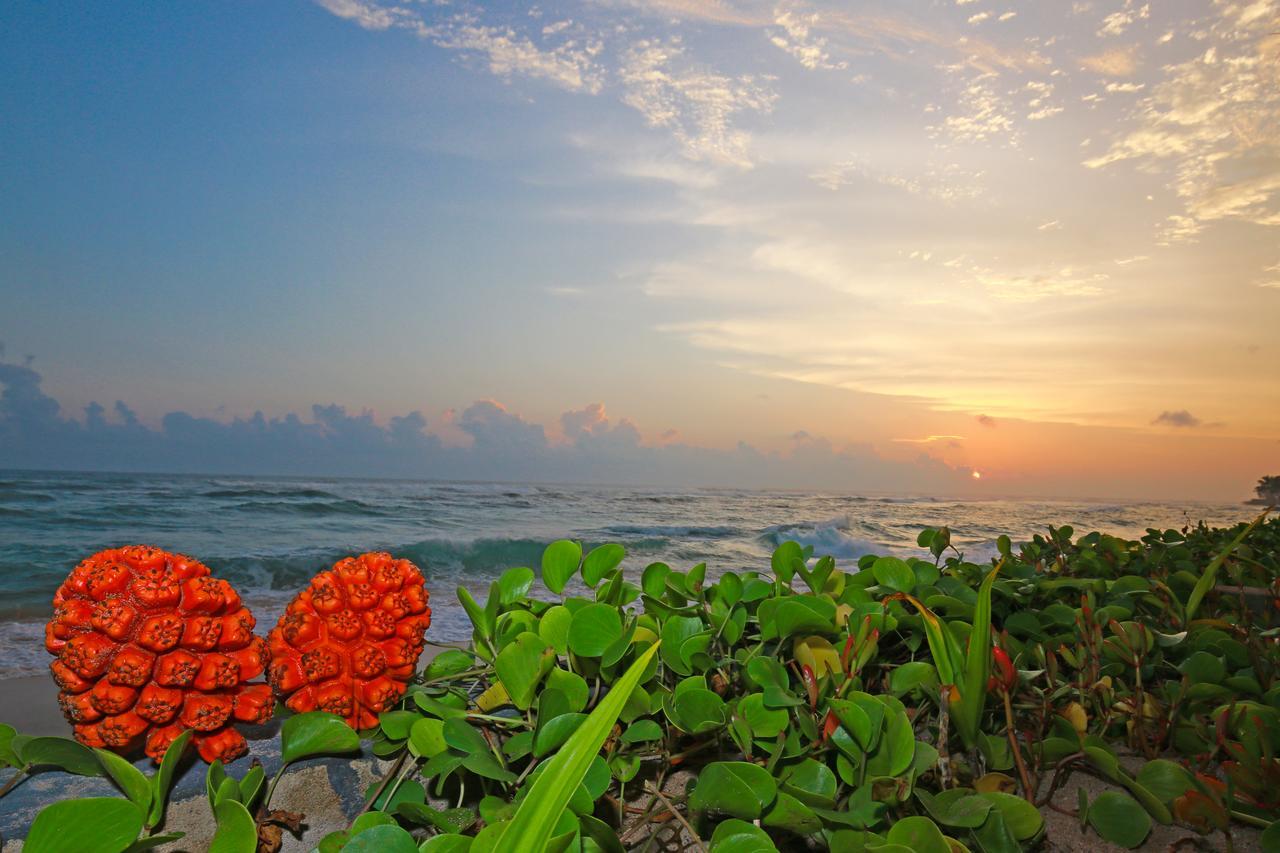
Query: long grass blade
x,y
537,816
977,665
1210,575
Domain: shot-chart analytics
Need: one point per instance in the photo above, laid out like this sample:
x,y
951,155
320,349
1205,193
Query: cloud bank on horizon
x,y
499,445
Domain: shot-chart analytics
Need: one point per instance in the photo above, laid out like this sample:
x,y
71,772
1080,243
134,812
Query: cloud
x,y
503,445
1180,418
1116,62
1117,22
695,104
1211,126
370,16
570,65
986,421
797,39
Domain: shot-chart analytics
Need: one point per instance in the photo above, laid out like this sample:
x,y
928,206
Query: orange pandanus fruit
x,y
149,644
350,642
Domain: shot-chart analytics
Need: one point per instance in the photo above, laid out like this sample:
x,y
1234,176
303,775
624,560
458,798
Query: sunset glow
x,y
894,242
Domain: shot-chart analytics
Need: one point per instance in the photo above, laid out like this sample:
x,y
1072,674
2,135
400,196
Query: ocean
x,y
268,536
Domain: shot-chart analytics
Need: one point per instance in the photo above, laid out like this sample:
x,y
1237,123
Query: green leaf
x,y
1119,819
87,825
461,735
538,814
61,752
894,573
958,807
236,831
408,791
369,820
1021,818
8,757
764,722
573,686
131,780
316,733
382,839
736,788
150,842
446,844
514,584
642,731
449,662
1210,576
600,561
811,782
785,558
552,733
522,665
914,674
594,628
1166,779
1269,840
559,563
738,836
697,710
654,579
918,834
554,628
396,724
426,737
790,814
897,747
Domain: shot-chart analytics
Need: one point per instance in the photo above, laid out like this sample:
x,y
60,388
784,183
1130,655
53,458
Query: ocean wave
x,y
268,493
830,538
334,507
683,531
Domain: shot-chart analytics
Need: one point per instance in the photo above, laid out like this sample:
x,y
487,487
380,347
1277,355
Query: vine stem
x,y
382,786
1028,791
13,782
657,792
271,789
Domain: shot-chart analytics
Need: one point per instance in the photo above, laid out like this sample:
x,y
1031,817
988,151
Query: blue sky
x,y
872,224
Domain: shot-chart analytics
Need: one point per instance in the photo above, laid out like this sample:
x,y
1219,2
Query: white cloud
x,y
571,65
979,18
797,39
1211,126
1117,22
695,104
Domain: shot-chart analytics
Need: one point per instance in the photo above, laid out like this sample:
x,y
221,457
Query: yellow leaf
x,y
1077,716
818,654
995,782
495,697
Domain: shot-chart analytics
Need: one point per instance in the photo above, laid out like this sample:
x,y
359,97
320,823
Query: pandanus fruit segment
x,y
349,643
148,644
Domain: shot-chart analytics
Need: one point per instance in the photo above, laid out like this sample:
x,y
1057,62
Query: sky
x,y
957,247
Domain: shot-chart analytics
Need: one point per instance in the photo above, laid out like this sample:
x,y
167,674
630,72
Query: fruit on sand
x,y
149,644
349,643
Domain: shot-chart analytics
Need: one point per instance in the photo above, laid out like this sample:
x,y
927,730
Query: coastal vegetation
x,y
926,703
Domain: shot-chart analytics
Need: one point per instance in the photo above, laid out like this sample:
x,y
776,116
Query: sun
x,y
977,475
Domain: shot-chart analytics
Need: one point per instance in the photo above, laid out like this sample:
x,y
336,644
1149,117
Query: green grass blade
x,y
977,665
1211,571
942,643
536,818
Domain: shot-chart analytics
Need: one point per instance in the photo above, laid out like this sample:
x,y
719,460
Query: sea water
x,y
268,536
